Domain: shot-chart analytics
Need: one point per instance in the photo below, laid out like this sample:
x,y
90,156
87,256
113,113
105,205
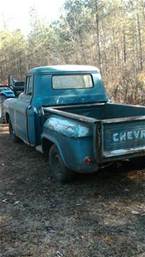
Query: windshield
x,y
72,81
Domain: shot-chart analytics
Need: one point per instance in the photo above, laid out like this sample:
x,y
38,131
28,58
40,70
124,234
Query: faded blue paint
x,y
90,130
67,127
124,136
46,95
73,150
63,69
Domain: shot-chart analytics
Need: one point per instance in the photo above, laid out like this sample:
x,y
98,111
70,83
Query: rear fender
x,y
52,140
74,140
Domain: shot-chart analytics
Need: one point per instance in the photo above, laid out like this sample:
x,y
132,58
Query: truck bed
x,y
105,111
121,126
100,111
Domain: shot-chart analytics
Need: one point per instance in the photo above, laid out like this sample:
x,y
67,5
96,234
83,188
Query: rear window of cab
x,y
79,81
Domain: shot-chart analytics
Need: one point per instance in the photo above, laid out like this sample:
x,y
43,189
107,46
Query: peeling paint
x,y
123,151
67,127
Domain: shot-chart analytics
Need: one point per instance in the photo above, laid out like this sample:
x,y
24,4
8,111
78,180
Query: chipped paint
x,y
67,127
123,151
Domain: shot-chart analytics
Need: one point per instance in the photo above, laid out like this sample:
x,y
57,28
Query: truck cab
x,y
42,89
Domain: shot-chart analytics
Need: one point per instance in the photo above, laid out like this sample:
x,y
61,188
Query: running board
x,y
39,148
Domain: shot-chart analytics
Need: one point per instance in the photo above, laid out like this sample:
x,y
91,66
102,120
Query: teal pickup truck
x,y
65,113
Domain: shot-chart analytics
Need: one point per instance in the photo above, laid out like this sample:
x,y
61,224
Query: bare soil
x,y
96,216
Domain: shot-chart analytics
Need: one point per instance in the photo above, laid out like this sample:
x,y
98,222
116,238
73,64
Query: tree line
x,y
105,33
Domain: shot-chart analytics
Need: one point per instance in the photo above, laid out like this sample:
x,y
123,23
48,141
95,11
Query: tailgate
x,y
123,136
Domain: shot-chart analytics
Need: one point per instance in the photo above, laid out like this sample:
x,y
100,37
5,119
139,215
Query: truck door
x,y
25,113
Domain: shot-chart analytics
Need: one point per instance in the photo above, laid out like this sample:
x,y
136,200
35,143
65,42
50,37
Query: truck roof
x,y
64,68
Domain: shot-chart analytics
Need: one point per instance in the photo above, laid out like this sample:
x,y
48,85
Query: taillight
x,y
88,160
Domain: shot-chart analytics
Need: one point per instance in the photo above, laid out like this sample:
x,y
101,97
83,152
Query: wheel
x,y
58,171
12,133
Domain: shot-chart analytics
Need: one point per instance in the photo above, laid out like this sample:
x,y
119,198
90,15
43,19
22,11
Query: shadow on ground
x,y
96,215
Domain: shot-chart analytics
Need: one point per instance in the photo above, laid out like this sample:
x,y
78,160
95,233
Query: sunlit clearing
x,y
3,129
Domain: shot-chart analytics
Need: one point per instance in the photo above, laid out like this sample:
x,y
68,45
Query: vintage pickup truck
x,y
64,112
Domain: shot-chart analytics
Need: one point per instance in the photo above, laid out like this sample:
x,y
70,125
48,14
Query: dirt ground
x,y
95,216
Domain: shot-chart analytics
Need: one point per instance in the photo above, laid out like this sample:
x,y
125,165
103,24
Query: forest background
x,y
107,34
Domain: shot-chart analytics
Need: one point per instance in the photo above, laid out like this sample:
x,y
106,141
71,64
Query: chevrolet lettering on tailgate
x,y
128,135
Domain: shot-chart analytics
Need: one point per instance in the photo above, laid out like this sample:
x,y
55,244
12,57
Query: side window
x,y
29,85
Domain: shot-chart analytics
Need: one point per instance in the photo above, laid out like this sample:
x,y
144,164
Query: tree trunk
x,y
98,36
140,43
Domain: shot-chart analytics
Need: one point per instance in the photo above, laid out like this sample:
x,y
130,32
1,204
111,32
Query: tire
x,y
57,169
12,133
